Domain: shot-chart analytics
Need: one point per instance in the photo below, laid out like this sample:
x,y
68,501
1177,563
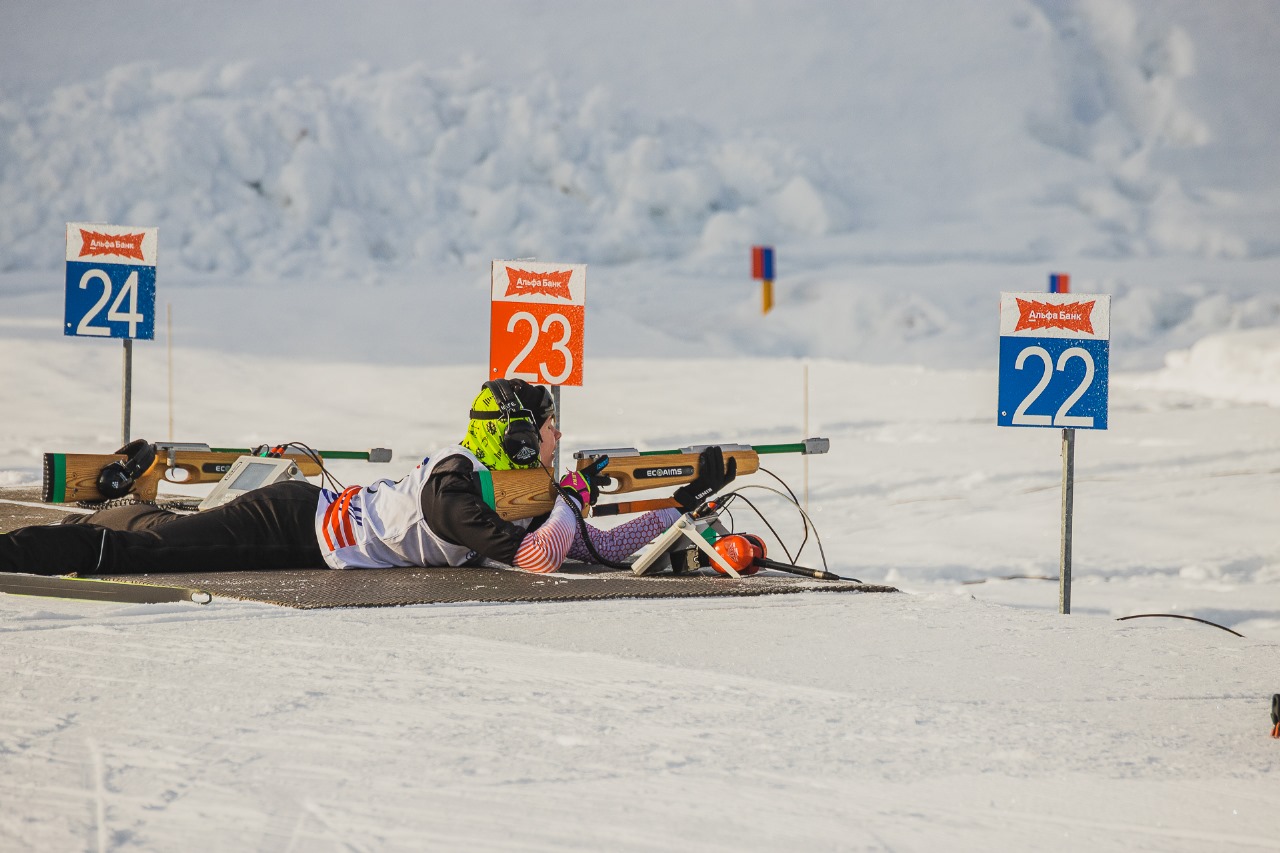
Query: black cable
x,y
817,537
794,499
804,518
743,498
722,504
582,527
1179,616
822,574
808,522
315,457
732,522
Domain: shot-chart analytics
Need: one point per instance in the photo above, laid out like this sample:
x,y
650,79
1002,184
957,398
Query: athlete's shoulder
x,y
452,470
453,464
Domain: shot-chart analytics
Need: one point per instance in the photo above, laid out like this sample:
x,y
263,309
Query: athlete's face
x,y
549,440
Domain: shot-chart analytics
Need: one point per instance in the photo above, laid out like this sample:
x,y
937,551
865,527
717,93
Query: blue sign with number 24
x,y
110,300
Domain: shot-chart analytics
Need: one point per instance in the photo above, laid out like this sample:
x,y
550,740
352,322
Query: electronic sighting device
x,y
685,547
248,473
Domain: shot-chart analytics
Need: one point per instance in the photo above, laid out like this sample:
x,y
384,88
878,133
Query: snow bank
x,y
1240,367
1050,134
383,169
1119,104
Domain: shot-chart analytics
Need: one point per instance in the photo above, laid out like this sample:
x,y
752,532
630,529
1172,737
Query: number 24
x,y
114,314
1061,418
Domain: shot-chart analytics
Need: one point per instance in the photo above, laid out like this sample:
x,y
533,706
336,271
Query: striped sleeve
x,y
544,549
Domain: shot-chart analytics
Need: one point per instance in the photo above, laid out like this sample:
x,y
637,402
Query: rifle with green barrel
x,y
71,477
531,492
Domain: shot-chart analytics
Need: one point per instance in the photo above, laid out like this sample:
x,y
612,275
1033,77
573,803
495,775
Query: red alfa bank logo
x,y
124,245
523,282
1074,316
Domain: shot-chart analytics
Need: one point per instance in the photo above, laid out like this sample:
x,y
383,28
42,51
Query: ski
x,y
91,589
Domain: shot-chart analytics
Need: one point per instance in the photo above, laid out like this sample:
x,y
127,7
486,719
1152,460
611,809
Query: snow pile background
x,y
377,171
330,185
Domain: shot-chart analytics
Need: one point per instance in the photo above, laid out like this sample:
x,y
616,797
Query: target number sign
x,y
1054,352
111,281
536,322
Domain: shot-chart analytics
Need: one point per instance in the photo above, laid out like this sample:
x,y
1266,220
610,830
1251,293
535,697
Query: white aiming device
x,y
248,473
686,529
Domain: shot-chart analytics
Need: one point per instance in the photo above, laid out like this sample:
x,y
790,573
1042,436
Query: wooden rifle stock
x,y
70,477
531,492
628,507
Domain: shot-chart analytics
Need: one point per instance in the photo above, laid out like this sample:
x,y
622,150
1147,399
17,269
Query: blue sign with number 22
x,y
1053,382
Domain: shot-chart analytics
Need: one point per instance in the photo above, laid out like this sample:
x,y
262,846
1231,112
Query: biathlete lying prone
x,y
434,516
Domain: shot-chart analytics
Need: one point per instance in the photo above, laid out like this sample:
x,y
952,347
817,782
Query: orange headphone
x,y
741,551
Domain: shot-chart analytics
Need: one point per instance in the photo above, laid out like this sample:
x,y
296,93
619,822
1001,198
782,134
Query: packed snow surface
x,y
331,182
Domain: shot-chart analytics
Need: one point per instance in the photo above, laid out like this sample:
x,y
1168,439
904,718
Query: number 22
x,y
1061,418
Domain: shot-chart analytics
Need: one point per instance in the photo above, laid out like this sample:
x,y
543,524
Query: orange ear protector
x,y
741,551
746,553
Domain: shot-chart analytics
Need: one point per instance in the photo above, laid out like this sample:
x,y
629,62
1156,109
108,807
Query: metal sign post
x,y
555,401
126,405
1068,494
111,292
1054,354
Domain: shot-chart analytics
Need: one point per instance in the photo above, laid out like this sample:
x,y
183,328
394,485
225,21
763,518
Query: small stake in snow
x,y
1275,716
762,271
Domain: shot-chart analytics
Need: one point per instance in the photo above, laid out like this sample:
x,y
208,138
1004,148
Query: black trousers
x,y
268,528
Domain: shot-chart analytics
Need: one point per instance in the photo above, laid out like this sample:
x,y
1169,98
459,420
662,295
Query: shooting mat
x,y
311,589
320,588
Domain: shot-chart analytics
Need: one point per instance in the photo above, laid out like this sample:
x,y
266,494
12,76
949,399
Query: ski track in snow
x,y
515,715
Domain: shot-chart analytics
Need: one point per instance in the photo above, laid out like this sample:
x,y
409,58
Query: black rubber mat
x,y
21,507
313,589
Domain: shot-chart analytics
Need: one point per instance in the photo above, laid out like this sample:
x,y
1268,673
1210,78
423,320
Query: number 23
x,y
559,346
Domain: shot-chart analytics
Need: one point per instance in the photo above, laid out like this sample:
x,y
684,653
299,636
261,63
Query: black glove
x,y
595,476
713,475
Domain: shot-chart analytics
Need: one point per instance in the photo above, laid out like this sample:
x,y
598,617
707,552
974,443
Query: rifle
x,y
70,477
524,493
531,492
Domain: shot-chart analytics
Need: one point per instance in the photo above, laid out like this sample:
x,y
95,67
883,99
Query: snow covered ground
x,y
330,185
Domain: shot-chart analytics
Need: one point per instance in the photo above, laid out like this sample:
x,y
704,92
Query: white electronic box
x,y
249,473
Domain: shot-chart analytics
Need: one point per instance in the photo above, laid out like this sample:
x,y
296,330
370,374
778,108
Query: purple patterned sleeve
x,y
625,539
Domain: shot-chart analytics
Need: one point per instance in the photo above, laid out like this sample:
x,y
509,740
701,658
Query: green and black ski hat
x,y
535,399
485,432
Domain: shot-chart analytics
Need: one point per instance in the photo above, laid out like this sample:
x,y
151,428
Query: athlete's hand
x,y
584,485
713,475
